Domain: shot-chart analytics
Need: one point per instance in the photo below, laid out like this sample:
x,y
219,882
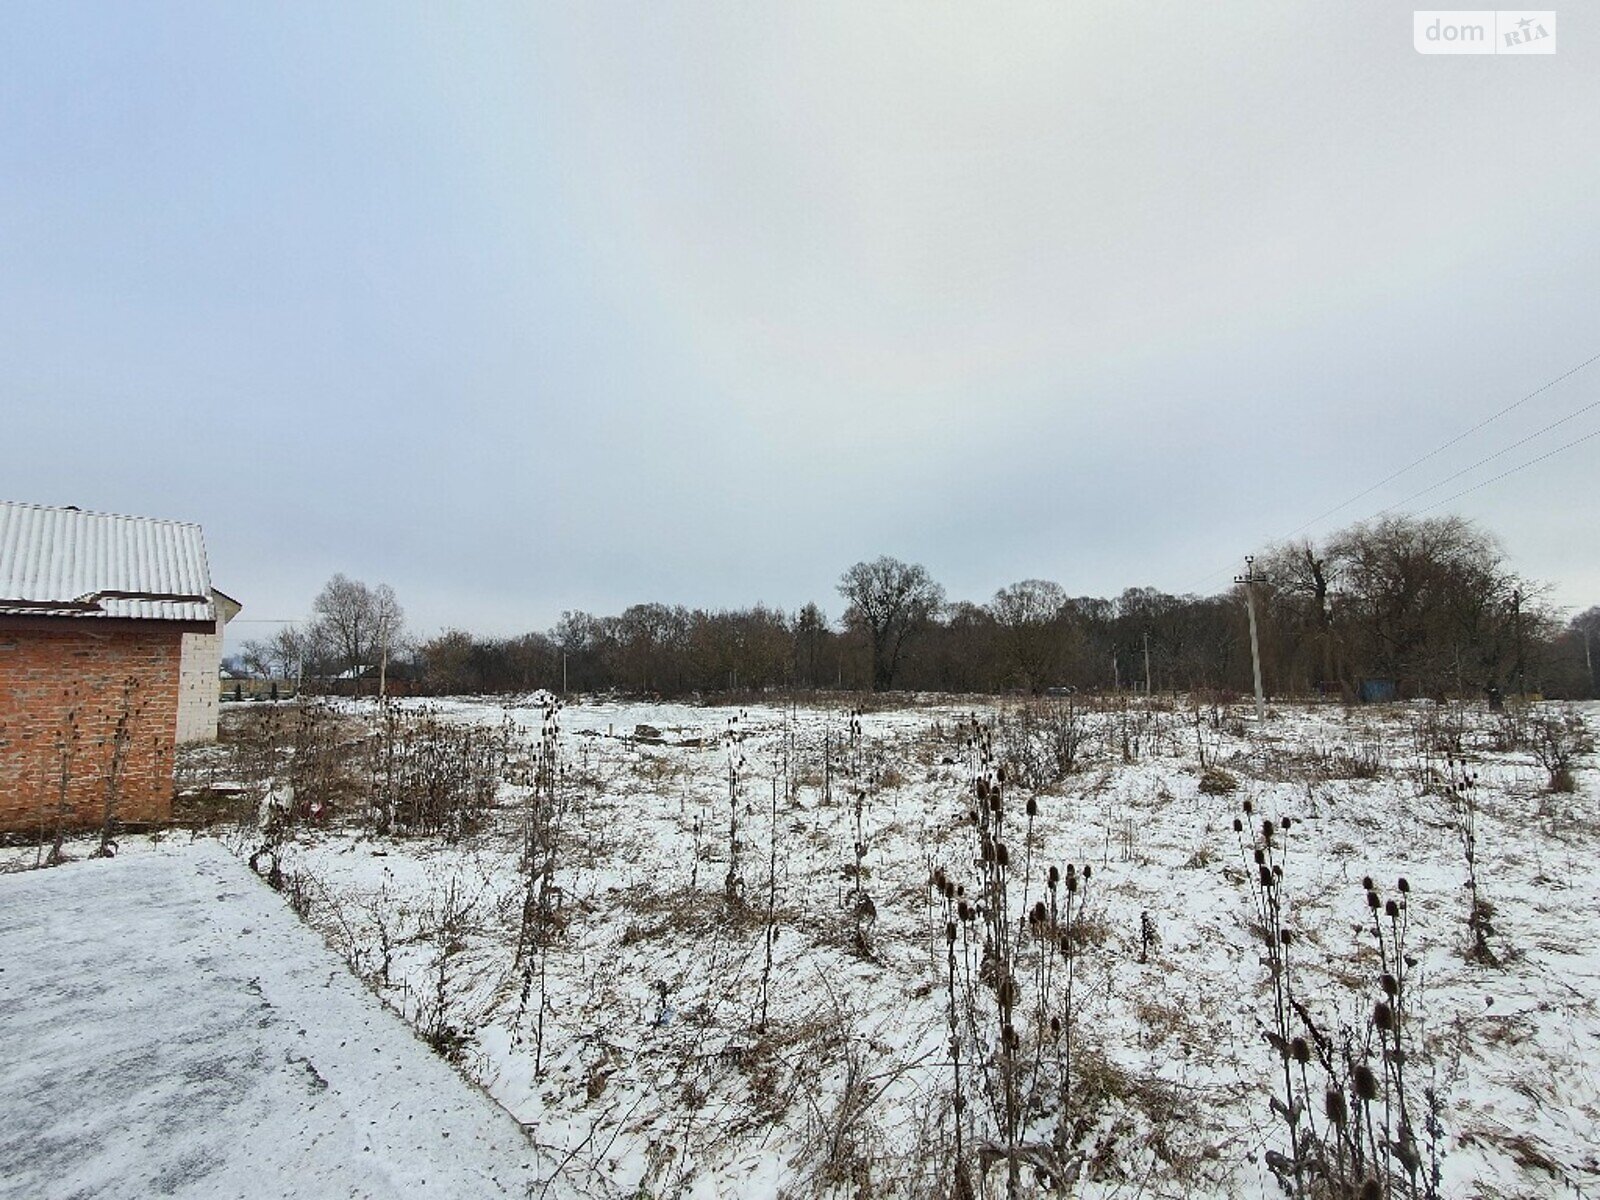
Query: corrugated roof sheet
x,y
64,562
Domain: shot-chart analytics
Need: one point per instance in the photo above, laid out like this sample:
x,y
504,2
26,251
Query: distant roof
x,y
62,562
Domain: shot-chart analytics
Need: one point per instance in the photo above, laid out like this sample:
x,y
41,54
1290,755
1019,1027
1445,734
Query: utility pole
x,y
1588,659
1147,664
563,674
1516,632
383,659
1249,579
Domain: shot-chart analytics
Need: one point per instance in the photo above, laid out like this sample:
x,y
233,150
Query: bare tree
x,y
890,601
1301,583
358,624
448,661
1030,614
810,636
1429,602
279,657
1426,602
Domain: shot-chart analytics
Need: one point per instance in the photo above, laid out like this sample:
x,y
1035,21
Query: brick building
x,y
107,624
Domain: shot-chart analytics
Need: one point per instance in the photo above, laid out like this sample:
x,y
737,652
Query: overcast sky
x,y
542,306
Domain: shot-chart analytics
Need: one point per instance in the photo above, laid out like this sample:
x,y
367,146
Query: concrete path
x,y
169,1028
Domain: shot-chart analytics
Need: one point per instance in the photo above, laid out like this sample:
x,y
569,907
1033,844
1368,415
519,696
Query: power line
x,y
1494,478
1437,450
1443,447
1512,471
1490,458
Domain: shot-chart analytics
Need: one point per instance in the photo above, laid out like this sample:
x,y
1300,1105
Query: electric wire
x,y
1489,458
1512,471
1439,449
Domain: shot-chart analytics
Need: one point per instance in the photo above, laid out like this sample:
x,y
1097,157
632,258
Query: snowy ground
x,y
655,1075
171,1029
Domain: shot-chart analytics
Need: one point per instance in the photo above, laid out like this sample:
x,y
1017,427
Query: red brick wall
x,y
64,687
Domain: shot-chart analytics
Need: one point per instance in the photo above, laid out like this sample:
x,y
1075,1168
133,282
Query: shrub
x,y
1558,740
431,777
1040,744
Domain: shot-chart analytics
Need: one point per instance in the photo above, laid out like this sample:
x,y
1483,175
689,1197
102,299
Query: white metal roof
x,y
66,563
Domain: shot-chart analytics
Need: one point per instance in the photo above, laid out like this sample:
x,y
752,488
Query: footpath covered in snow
x,y
171,1029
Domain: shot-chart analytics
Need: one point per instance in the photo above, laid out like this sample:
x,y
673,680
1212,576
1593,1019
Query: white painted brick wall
x,y
198,687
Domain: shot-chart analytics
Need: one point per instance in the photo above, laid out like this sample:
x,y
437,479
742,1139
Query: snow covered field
x,y
656,1053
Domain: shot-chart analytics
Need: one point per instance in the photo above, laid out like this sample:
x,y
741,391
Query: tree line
x,y
1427,607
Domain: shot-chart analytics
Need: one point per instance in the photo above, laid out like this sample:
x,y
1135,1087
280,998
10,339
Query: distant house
x,y
110,644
